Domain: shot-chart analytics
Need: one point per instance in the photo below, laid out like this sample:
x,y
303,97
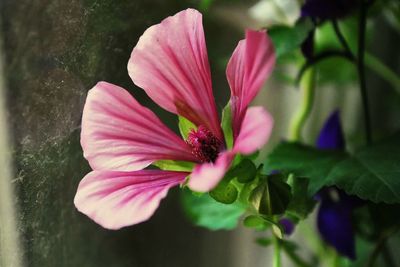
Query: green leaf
x,y
271,197
226,125
289,245
256,222
301,204
286,39
224,192
173,165
206,212
372,173
185,126
264,241
304,161
246,190
277,229
245,171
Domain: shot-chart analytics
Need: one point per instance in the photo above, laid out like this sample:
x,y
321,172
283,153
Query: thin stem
x,y
381,245
296,259
335,259
372,62
277,252
387,256
341,39
320,57
375,252
307,86
383,71
361,70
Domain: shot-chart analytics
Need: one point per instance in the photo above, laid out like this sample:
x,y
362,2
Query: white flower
x,y
276,12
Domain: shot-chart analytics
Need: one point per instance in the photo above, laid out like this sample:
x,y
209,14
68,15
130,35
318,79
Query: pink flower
x,y
120,137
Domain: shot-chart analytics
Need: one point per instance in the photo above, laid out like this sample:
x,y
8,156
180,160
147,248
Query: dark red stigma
x,y
205,145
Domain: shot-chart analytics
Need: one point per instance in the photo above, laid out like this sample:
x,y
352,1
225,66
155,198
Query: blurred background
x,y
54,51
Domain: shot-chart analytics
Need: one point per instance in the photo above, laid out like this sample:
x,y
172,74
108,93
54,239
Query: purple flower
x,y
334,217
331,135
334,220
328,9
287,226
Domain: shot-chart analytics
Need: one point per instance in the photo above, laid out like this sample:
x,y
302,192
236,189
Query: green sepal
x,y
264,241
301,204
246,190
225,192
185,126
174,165
245,171
276,228
255,222
271,196
226,125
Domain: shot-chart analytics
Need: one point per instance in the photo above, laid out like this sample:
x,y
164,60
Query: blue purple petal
x,y
331,135
328,9
335,224
335,212
287,225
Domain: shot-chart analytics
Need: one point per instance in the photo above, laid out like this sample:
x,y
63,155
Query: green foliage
x,y
371,173
260,223
226,125
287,39
245,171
300,205
256,222
225,192
206,212
304,161
271,196
264,241
174,165
185,126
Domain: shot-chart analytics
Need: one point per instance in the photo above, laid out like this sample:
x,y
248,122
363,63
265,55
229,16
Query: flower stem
x,y
361,69
296,259
387,257
372,62
341,39
327,54
277,252
381,246
383,71
307,86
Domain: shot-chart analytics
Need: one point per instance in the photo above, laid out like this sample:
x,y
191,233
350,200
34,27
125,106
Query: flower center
x,y
205,145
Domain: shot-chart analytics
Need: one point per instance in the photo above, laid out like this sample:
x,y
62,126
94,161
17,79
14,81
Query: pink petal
x,y
170,63
207,175
249,67
255,131
116,199
120,134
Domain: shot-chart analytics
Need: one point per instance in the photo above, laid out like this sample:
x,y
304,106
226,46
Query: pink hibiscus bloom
x,y
120,137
